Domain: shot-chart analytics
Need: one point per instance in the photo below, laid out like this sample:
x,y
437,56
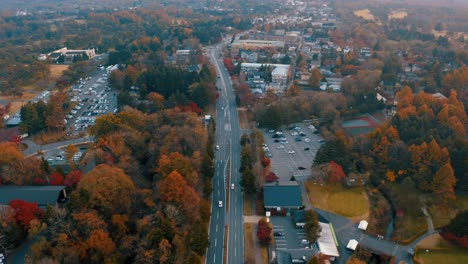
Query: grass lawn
x,y
352,203
446,256
249,243
264,254
243,119
462,202
247,205
435,249
442,218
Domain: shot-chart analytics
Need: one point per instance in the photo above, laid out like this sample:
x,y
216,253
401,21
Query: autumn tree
x,y
107,189
9,153
335,172
72,178
56,179
293,90
199,238
175,193
354,260
264,231
177,162
100,247
315,77
444,185
312,227
25,212
70,151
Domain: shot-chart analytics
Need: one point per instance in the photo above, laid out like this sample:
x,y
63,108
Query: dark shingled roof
x,y
42,195
285,194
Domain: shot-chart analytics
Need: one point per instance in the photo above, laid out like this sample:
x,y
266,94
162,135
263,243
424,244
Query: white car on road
x,y
291,152
220,204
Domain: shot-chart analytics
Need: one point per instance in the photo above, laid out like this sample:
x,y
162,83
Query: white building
x,y
279,75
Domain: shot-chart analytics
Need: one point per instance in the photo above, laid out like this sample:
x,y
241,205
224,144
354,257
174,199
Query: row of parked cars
x,y
98,104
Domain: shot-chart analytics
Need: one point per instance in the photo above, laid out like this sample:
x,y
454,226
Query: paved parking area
x,y
292,236
93,97
293,157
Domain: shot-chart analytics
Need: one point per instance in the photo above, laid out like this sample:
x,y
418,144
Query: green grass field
x,y
350,202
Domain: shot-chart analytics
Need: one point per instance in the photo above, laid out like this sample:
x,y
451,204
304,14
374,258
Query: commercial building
x,y
280,197
249,44
69,55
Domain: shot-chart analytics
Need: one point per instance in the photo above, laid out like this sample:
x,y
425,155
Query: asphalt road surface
x,y
227,163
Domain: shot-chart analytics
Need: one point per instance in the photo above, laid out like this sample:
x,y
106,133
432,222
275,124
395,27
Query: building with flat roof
x,y
69,55
326,242
250,44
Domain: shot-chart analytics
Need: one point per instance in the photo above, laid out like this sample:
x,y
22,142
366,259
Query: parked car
x,y
232,186
321,141
278,234
291,152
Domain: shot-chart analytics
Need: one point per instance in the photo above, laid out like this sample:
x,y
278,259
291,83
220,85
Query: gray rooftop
x,y
284,194
42,195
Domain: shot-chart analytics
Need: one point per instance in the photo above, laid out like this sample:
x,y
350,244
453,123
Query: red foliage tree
x,y
336,173
271,177
264,231
39,181
229,65
266,162
56,179
72,178
25,212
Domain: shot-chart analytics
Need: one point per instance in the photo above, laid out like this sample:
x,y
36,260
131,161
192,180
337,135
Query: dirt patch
x,y
364,13
243,118
431,242
26,96
249,243
56,71
397,15
17,102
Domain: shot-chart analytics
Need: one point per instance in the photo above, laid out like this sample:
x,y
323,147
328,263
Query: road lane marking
x,y
216,241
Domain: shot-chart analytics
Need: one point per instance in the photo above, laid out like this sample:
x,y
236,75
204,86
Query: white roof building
x,y
326,242
363,225
352,244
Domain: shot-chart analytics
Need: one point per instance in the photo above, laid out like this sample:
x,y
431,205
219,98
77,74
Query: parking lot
x,y
291,237
93,97
57,156
293,151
